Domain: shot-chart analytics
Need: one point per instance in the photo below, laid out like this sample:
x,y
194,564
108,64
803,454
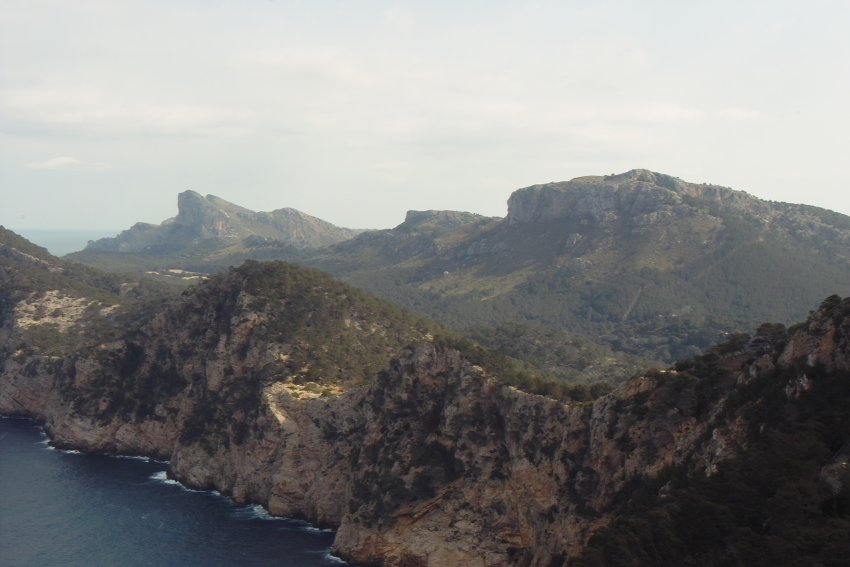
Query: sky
x,y
357,111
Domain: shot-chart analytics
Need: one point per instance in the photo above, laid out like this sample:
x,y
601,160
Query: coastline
x,y
256,510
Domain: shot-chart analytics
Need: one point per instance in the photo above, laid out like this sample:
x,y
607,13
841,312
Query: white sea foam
x,y
313,529
257,512
45,441
46,444
334,559
253,511
162,476
308,527
138,458
133,457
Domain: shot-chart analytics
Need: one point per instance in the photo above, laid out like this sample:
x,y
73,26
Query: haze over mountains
x,y
578,274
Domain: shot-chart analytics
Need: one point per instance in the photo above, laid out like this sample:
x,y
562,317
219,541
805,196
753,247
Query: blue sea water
x,y
63,241
62,508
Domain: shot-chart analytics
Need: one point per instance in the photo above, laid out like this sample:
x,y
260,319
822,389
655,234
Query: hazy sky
x,y
356,111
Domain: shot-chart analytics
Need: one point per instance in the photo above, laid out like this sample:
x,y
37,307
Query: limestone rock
x,y
207,218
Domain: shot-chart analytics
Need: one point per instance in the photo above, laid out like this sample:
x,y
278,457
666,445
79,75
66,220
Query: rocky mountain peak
x,y
206,217
635,193
189,204
203,218
651,177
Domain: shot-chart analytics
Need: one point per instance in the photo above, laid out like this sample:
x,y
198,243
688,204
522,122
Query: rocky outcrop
x,y
640,199
207,218
822,341
645,196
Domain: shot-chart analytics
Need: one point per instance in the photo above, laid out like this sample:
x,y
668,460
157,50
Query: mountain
x,y
586,278
208,226
642,262
278,385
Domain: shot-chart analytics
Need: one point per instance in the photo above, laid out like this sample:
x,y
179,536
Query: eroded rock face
x,y
433,462
643,197
208,218
823,340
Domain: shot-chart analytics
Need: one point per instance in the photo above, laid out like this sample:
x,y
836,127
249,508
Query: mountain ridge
x,y
202,218
618,257
639,264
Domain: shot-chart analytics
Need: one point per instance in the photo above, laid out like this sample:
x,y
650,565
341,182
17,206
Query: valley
x,y
602,273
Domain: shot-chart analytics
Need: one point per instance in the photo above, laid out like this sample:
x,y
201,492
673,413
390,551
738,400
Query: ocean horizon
x,y
61,241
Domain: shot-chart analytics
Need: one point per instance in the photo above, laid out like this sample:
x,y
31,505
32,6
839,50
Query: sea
x,y
64,508
63,241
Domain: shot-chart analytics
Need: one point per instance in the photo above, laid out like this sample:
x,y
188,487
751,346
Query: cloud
x,y
407,100
101,114
320,65
63,162
738,114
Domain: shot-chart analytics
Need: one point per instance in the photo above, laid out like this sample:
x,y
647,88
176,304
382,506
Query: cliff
x,y
645,196
203,219
280,386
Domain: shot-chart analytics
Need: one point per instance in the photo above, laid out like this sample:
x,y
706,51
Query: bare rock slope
x,y
204,219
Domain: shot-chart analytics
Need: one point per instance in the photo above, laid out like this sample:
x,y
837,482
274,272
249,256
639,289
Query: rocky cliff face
x,y
267,384
645,196
202,218
643,200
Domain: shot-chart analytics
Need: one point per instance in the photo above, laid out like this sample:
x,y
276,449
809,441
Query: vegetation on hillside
x,y
769,505
339,333
111,303
631,303
642,265
568,357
